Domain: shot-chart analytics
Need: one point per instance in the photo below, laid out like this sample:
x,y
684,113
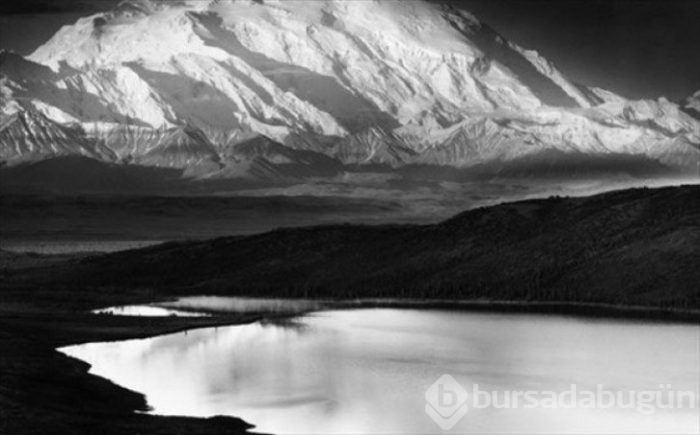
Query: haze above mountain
x,y
292,90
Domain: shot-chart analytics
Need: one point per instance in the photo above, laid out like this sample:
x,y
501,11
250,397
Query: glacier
x,y
233,88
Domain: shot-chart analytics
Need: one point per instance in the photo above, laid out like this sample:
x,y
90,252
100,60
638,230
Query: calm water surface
x,y
366,371
147,311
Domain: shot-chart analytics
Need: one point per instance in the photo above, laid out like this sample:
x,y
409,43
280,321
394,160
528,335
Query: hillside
x,y
635,247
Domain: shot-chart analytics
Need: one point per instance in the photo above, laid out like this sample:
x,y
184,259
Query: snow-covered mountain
x,y
691,105
182,84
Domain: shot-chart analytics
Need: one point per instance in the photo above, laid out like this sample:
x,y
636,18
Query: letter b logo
x,y
446,402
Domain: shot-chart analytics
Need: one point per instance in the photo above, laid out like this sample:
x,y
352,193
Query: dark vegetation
x,y
44,392
635,247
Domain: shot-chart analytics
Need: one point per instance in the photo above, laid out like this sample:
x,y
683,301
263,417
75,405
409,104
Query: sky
x,y
637,48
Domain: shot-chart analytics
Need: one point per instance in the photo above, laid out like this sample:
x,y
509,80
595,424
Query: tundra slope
x,y
634,247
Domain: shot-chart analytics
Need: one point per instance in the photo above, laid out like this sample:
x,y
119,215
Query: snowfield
x,y
387,82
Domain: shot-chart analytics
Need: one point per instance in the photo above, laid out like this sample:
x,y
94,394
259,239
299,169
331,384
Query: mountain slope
x,y
627,247
27,133
365,83
691,105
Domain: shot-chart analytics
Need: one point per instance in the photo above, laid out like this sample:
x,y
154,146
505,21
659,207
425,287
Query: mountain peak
x,y
385,82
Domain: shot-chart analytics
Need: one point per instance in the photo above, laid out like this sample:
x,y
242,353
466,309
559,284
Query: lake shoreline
x,y
367,345
560,308
45,391
584,310
34,335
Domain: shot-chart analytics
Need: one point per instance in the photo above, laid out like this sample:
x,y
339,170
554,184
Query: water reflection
x,y
147,310
366,371
237,304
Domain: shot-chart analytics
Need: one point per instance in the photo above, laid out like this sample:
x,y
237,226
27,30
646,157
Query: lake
x,y
367,371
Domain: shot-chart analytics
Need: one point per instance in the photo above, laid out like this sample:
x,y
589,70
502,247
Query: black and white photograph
x,y
349,217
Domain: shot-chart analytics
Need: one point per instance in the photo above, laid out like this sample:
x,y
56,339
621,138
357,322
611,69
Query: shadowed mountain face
x,y
628,247
351,111
691,105
388,83
497,49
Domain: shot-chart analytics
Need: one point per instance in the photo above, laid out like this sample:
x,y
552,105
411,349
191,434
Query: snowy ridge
x,y
31,134
180,84
691,105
